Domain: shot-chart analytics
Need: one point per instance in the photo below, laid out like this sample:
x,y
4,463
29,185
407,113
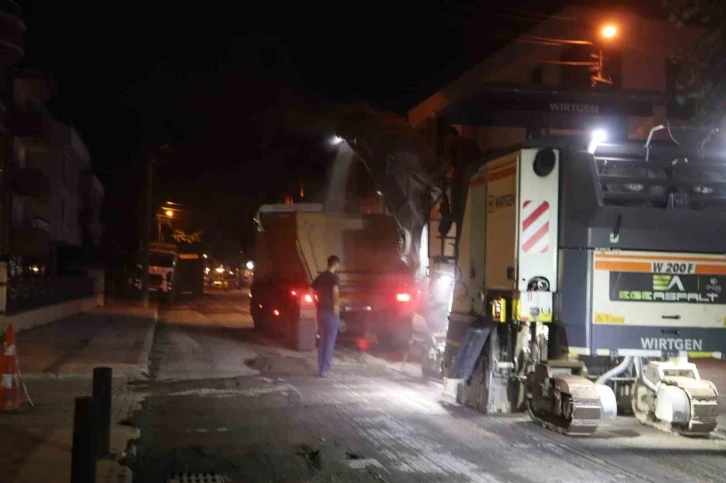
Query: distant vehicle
x,y
232,282
163,259
225,281
171,272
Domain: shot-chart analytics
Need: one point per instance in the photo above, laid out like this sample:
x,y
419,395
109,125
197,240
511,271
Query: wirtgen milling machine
x,y
586,277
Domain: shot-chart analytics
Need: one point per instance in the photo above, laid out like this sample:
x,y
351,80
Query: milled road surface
x,y
252,412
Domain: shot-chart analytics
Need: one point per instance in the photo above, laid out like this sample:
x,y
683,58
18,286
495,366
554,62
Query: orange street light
x,y
169,213
609,31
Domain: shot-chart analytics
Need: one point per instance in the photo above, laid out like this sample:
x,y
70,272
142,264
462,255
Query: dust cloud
x,y
338,182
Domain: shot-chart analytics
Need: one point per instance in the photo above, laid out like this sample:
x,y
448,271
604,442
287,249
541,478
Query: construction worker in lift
x,y
327,288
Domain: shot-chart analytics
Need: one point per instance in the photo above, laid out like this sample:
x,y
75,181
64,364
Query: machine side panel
x,y
665,296
501,223
574,300
465,292
538,221
659,342
477,242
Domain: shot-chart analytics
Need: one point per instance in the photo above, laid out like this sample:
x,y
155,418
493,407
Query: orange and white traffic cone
x,y
10,378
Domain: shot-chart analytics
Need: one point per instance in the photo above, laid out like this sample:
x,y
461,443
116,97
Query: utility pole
x,y
148,209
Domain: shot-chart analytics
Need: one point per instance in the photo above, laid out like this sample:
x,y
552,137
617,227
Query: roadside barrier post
x,y
83,453
102,381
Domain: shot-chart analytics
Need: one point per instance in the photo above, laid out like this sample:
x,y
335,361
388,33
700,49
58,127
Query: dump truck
x,y
292,245
188,277
172,271
589,273
163,257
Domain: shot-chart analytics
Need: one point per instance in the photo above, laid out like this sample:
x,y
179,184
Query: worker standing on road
x,y
327,288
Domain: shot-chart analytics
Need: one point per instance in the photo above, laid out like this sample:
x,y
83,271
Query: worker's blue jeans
x,y
328,324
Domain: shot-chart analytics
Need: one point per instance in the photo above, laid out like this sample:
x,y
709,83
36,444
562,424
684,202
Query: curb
x,y
119,470
144,360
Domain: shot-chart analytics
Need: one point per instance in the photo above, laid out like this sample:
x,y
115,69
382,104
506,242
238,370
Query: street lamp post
x,y
148,213
148,210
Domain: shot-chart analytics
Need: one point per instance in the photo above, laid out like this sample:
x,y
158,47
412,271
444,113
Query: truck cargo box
x,y
376,285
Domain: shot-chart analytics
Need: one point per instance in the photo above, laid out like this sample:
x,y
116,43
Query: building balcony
x,y
40,130
30,182
12,29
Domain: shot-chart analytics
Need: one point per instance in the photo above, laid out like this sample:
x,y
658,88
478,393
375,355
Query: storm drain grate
x,y
196,478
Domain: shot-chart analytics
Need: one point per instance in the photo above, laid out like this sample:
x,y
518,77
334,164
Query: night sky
x,y
223,86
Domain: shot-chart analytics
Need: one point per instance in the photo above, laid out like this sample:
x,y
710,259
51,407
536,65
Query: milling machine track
x,y
562,425
560,399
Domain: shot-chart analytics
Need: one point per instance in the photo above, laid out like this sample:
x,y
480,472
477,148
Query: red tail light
x,y
276,312
306,298
403,297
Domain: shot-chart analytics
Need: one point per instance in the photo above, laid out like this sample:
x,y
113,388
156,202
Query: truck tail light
x,y
403,297
306,298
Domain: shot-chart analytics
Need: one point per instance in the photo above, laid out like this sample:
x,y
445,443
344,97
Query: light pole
x,y
148,209
148,213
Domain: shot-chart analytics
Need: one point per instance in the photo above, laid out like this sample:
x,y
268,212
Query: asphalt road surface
x,y
221,400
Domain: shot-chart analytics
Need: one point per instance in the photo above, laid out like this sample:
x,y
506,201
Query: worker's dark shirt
x,y
323,286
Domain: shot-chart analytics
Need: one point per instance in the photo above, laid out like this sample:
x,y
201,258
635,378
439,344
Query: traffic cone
x,y
10,374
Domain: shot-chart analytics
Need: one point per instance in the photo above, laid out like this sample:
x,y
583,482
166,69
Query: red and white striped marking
x,y
535,227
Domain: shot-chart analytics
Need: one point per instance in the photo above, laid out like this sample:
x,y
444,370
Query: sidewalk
x,y
57,363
